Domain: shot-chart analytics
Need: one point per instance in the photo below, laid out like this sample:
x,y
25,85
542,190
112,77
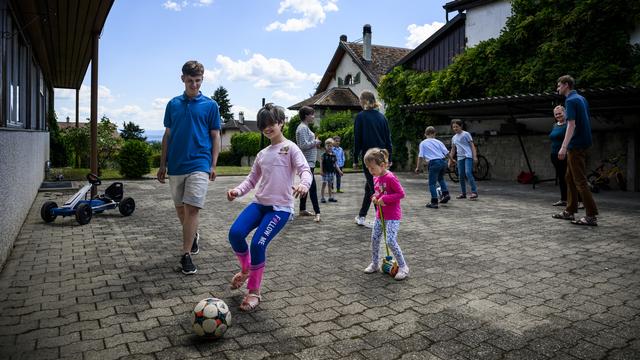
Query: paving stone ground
x,y
497,278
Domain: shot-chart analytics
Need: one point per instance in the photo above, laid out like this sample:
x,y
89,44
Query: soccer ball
x,y
211,318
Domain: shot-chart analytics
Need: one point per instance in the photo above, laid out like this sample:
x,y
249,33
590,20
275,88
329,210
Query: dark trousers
x,y
577,185
561,171
313,193
338,182
368,192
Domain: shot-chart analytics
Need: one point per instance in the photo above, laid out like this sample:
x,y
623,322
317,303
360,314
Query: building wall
x,y
21,165
485,22
348,66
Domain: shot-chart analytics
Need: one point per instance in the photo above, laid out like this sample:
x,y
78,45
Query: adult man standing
x,y
577,141
190,147
370,130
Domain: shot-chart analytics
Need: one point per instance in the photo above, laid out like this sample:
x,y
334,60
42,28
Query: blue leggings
x,y
269,223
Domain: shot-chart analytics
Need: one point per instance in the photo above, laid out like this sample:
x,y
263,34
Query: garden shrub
x,y
134,159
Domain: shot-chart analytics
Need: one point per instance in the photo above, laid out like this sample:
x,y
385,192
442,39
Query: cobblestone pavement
x,y
497,278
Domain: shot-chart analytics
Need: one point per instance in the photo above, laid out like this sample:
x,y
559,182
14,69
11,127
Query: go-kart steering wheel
x,y
93,179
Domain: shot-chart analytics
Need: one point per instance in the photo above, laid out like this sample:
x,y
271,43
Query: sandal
x,y
564,215
587,220
250,302
238,280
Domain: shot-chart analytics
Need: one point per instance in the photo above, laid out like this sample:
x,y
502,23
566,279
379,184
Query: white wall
x,y
485,22
348,66
21,173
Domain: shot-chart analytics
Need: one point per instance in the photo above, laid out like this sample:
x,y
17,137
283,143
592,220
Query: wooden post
x,y
94,109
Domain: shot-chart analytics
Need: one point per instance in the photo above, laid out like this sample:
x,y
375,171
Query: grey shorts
x,y
189,189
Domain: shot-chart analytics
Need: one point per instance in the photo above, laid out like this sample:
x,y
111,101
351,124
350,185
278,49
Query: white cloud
x,y
203,3
212,76
283,97
264,72
313,13
420,33
249,113
104,94
174,5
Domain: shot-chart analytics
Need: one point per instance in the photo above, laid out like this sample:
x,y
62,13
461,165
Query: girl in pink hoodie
x,y
387,194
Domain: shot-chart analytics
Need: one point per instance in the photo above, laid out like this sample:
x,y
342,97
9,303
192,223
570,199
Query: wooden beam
x,y
94,108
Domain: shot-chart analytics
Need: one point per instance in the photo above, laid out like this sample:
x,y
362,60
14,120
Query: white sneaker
x,y
402,274
360,220
371,269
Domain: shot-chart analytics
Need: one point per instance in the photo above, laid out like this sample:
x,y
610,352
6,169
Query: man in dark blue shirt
x,y
577,141
370,130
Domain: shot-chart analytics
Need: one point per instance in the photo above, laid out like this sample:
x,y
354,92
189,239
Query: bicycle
x,y
480,170
599,178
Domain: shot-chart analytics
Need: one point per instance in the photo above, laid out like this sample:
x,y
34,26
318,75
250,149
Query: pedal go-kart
x,y
84,208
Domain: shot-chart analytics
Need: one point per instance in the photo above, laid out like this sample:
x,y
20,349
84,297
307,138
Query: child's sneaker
x,y
372,268
402,274
461,196
332,200
195,247
432,206
323,200
317,218
474,196
360,220
339,191
445,199
187,265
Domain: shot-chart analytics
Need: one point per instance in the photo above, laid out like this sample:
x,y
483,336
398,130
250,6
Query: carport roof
x,y
602,101
61,33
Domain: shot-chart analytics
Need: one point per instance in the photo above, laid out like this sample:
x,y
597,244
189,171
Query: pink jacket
x,y
387,187
275,167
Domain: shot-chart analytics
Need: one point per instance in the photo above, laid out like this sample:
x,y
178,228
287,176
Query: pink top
x,y
387,187
275,167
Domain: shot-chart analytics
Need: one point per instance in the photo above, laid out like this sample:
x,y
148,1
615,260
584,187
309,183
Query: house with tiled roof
x,y
235,126
354,68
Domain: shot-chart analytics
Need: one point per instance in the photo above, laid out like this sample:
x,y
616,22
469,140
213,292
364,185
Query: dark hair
x,y
192,68
304,111
456,121
430,130
269,115
567,79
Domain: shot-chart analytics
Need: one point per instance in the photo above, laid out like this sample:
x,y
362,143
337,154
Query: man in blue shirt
x,y
577,140
190,148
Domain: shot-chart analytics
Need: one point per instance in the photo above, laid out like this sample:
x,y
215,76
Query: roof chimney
x,y
343,38
241,117
366,37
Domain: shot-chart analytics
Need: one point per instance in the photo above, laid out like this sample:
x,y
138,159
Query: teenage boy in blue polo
x,y
190,148
577,141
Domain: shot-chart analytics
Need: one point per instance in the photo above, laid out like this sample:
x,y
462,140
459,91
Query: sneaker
x,y
317,218
560,203
474,196
339,191
306,213
372,268
445,199
360,220
323,200
195,248
188,267
461,196
580,205
432,206
402,274
332,200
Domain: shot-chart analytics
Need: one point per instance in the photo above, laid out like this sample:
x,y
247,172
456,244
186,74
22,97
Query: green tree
x,y
221,96
58,153
134,159
77,140
109,143
131,131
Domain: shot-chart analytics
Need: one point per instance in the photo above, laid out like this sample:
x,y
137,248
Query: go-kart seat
x,y
113,192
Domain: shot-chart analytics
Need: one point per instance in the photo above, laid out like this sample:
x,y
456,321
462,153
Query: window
x,y
348,80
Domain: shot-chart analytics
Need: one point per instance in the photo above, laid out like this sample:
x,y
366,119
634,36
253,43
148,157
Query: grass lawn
x,y
112,174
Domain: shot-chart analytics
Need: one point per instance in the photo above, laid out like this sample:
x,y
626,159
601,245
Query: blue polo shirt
x,y
577,109
190,122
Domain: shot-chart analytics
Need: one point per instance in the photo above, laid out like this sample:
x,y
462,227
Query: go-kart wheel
x,y
46,212
84,214
126,206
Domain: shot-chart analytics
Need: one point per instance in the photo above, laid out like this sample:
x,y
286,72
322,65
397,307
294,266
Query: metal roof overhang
x,y
608,102
61,33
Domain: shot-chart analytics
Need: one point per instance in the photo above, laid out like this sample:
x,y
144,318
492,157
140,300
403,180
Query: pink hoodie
x,y
275,167
387,187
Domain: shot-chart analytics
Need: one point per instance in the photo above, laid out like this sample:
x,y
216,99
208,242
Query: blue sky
x,y
259,48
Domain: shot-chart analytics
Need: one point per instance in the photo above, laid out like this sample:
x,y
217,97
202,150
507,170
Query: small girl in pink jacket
x,y
387,194
273,173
